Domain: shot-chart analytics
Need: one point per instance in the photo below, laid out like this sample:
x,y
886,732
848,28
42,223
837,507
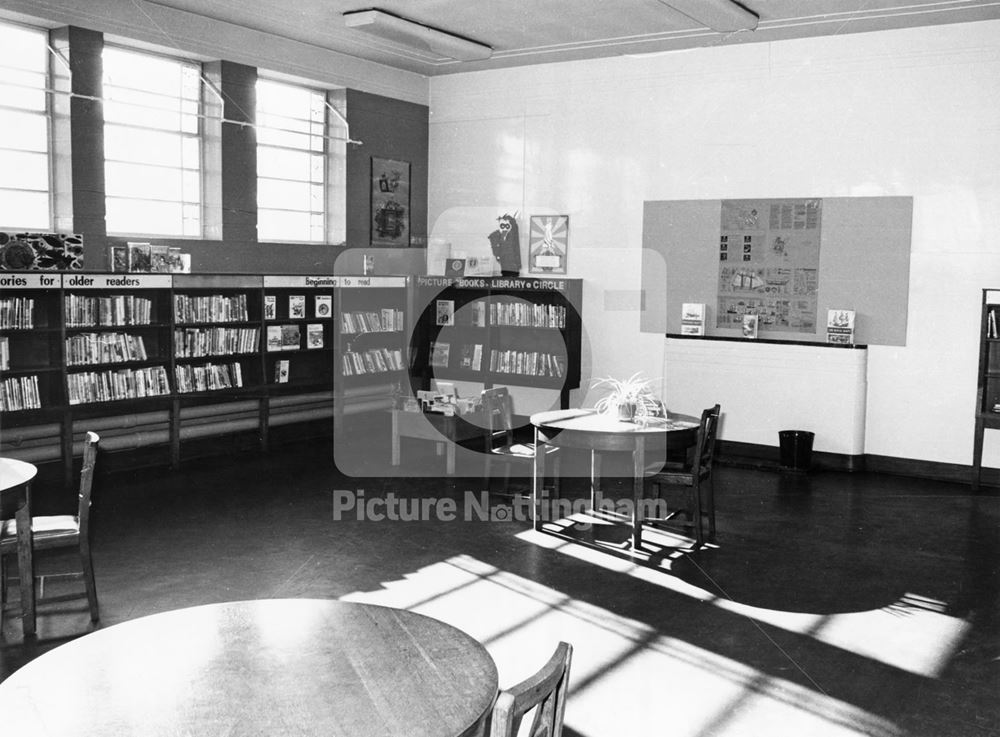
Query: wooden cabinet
x,y
988,379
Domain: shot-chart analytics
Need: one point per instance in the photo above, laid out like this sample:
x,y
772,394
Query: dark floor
x,y
829,604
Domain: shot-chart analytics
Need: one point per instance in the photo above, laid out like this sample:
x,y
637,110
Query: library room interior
x,y
500,368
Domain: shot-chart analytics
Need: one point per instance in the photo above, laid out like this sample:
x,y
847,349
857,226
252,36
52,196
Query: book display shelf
x,y
988,379
161,360
498,331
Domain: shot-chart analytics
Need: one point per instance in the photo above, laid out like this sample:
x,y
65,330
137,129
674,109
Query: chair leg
x,y
696,513
710,497
87,564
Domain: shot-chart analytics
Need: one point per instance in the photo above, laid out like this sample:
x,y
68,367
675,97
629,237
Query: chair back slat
x,y
498,409
705,452
545,690
87,479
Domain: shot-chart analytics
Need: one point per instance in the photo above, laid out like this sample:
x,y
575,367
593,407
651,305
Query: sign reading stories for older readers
x,y
769,264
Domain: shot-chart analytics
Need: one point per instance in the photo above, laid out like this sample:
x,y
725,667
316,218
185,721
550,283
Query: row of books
x,y
146,257
17,313
208,377
528,363
374,321
470,356
524,314
108,386
372,361
195,342
117,310
322,306
89,348
210,308
289,337
18,393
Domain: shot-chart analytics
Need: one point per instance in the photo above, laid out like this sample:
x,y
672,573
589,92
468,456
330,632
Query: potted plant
x,y
630,399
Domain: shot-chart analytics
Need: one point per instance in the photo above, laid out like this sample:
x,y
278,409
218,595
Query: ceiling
x,y
539,31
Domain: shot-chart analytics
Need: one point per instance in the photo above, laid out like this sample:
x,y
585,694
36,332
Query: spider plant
x,y
628,399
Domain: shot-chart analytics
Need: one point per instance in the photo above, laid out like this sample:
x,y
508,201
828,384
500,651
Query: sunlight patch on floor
x,y
912,634
627,678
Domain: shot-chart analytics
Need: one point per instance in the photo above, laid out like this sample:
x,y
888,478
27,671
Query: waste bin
x,y
795,447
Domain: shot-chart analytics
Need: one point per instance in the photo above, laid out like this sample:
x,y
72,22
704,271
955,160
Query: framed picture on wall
x,y
390,207
548,243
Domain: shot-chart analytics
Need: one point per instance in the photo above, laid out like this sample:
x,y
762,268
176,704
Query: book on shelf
x,y
479,313
445,312
159,259
274,338
323,305
750,325
693,318
314,335
296,306
178,262
440,354
4,353
139,256
840,326
270,307
281,368
991,323
118,258
290,338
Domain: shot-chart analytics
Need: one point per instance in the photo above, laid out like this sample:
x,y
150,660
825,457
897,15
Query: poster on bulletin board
x,y
768,255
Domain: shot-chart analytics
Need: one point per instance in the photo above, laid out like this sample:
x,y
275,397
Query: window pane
x,y
281,225
22,89
283,164
139,180
285,194
144,216
32,170
22,209
26,131
143,146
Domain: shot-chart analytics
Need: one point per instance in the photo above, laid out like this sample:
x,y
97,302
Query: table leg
x,y
595,479
395,438
638,468
25,565
538,479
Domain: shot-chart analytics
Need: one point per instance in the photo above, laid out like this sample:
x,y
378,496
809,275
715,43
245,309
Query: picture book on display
x,y
440,354
840,326
290,339
281,371
297,306
445,312
324,305
274,338
750,323
693,318
270,307
314,335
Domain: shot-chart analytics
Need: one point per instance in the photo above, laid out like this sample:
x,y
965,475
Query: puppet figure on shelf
x,y
506,245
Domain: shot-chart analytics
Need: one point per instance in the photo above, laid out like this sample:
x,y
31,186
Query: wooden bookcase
x,y
169,360
498,331
988,379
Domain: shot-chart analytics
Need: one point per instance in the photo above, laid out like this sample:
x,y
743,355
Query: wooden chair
x,y
500,442
546,690
60,531
696,477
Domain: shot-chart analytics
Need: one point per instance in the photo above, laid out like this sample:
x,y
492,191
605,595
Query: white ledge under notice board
x,y
766,387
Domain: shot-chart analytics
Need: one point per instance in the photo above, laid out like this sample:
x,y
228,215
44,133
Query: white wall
x,y
912,112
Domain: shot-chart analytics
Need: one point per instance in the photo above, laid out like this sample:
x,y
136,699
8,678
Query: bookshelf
x,y
499,331
166,361
988,379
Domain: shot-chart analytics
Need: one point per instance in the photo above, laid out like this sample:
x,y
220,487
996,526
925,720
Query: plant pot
x,y
626,411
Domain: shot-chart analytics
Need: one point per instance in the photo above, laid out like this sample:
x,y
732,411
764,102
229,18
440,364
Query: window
x,y
24,147
291,163
152,144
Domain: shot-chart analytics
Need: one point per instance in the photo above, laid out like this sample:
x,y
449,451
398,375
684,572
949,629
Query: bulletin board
x,y
787,259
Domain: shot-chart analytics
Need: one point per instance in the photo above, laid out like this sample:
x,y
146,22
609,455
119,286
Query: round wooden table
x,y
586,429
15,483
268,667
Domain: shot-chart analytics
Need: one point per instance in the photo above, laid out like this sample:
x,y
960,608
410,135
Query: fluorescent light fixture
x,y
411,33
724,16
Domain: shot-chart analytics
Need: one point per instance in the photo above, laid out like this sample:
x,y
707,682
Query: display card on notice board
x,y
769,264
